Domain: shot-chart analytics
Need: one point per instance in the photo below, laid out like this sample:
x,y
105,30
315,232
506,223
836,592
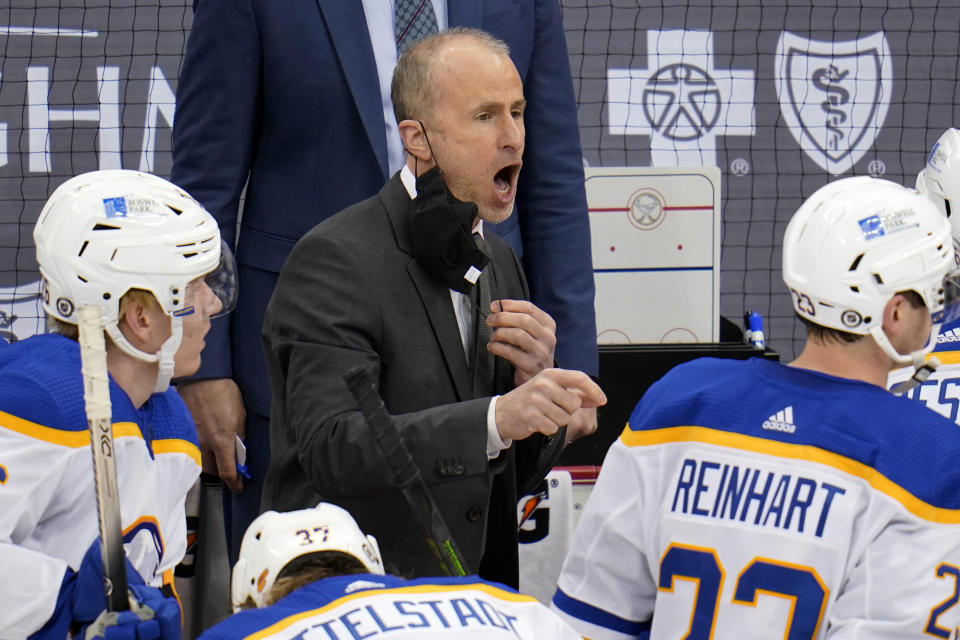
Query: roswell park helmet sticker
x,y
834,96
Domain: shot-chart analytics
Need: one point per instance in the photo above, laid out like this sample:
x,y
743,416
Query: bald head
x,y
413,89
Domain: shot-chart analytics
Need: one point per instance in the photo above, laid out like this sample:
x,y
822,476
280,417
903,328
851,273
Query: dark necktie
x,y
413,20
482,359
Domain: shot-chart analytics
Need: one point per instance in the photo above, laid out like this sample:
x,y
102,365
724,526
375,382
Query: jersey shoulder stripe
x,y
768,447
178,446
334,593
431,588
903,441
41,382
63,437
951,356
41,396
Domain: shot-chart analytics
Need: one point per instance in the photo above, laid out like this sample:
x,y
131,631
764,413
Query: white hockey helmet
x,y
103,233
855,243
940,178
274,539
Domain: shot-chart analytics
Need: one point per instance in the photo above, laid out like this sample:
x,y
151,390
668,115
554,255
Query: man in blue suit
x,y
291,100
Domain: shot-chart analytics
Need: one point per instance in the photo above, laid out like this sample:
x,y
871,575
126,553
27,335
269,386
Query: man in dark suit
x,y
363,288
287,95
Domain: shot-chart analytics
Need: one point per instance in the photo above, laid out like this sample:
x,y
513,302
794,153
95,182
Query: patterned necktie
x,y
413,20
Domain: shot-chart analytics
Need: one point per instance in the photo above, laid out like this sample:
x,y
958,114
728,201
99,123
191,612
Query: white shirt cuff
x,y
494,443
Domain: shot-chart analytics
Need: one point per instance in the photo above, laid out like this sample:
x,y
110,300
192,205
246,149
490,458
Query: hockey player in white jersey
x,y
150,257
750,499
940,181
312,573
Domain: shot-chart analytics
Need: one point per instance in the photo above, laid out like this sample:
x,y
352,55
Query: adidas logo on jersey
x,y
781,421
953,335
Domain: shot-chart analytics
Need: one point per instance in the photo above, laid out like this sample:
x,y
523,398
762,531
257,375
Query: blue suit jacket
x,y
287,94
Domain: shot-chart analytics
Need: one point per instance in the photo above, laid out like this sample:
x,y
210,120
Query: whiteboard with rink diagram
x,y
656,253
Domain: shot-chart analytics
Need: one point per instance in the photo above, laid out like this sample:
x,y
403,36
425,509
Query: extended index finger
x,y
591,393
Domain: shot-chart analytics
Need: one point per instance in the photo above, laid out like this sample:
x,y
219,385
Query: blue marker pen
x,y
753,335
240,453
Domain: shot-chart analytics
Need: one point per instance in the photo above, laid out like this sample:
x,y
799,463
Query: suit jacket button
x,y
474,514
449,468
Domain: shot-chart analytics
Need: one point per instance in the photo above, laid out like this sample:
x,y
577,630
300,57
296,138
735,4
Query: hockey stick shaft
x,y
406,473
96,398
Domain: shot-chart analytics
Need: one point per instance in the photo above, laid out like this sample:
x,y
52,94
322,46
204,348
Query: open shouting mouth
x,y
505,181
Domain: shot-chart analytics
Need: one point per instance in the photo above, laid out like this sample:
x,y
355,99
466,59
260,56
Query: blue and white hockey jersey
x,y
941,391
372,606
48,513
748,499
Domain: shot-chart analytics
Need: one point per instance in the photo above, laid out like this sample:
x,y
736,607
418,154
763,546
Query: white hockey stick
x,y
96,397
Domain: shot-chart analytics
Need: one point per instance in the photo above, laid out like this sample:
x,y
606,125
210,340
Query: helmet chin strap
x,y
922,368
163,358
167,351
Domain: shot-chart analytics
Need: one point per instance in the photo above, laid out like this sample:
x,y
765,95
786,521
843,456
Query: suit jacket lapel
x,y
433,295
348,29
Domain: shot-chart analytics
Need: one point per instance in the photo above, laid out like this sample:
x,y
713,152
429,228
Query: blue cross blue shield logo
x,y
834,96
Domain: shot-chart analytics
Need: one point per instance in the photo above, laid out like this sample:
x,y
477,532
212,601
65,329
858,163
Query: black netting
x,y
90,84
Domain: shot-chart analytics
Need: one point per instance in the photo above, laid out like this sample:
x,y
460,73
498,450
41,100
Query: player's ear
x,y
893,310
136,323
414,140
895,314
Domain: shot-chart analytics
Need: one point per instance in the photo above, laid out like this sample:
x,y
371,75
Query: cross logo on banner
x,y
681,101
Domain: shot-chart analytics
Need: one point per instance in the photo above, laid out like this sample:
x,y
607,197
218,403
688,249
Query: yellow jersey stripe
x,y
946,357
74,439
428,588
169,582
177,446
811,453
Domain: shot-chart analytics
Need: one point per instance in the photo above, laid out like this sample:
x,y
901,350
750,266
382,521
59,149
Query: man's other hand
x,y
545,403
524,335
217,409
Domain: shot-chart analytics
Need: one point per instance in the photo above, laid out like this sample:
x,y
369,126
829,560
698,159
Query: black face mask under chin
x,y
441,231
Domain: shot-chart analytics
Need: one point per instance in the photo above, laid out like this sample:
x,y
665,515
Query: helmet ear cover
x,y
274,540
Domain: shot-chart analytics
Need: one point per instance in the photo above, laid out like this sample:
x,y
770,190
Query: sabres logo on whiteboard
x,y
834,96
646,209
